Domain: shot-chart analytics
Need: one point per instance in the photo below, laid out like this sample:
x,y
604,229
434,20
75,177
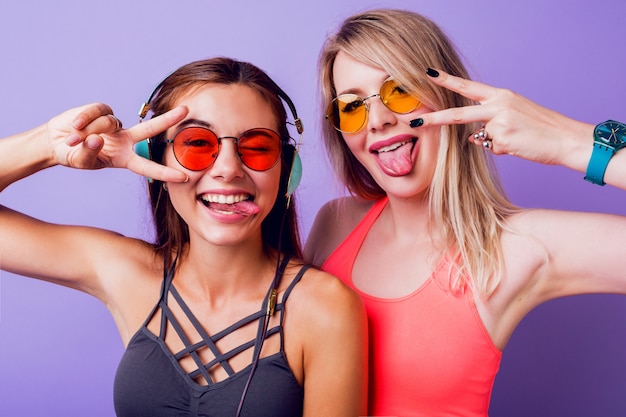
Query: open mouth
x,y
231,203
397,158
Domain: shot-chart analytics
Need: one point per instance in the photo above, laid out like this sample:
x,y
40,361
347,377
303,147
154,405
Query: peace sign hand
x,y
514,124
96,140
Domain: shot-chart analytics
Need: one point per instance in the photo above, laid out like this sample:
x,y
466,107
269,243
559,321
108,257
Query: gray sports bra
x,y
151,382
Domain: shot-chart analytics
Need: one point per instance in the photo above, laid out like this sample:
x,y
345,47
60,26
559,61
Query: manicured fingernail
x,y
432,73
417,122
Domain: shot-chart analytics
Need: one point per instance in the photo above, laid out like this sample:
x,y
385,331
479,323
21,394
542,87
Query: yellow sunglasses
x,y
348,112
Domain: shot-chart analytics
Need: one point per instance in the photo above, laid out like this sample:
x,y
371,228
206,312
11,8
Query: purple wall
x,y
59,348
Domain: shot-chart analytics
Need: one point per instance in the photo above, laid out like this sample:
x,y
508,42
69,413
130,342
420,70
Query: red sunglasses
x,y
196,148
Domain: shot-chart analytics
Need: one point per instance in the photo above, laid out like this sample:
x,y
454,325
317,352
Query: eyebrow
x,y
357,90
350,91
193,122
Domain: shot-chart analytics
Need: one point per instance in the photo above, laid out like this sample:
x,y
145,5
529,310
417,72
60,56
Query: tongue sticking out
x,y
243,207
397,161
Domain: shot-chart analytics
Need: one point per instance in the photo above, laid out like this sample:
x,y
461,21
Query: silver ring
x,y
481,134
118,122
487,143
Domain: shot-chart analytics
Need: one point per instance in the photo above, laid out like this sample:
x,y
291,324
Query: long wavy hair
x,y
172,233
466,199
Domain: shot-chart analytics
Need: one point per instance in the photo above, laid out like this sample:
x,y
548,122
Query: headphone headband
x,y
145,106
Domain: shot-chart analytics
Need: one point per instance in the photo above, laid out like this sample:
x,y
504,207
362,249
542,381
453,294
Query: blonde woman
x,y
446,265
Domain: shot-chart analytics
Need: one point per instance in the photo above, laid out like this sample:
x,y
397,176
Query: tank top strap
x,y
293,283
372,214
341,259
168,276
361,230
281,306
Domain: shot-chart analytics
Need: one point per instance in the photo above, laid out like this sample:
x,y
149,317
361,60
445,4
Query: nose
x,y
379,115
227,165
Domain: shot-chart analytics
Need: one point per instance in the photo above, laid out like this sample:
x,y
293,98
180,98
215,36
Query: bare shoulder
x,y
130,286
531,218
524,247
131,255
326,336
333,223
110,251
322,300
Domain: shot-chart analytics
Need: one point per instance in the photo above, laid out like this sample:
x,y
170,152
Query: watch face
x,y
611,133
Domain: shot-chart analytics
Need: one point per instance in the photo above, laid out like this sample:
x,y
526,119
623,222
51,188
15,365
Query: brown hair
x,y
172,233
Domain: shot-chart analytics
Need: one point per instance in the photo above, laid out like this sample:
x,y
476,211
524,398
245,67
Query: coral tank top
x,y
430,354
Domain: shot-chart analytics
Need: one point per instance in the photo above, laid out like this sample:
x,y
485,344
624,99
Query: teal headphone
x,y
143,148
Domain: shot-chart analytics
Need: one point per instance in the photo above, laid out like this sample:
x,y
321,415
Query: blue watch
x,y
608,138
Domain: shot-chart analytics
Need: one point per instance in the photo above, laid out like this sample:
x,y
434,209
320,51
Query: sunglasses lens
x,y
347,113
396,98
196,148
259,149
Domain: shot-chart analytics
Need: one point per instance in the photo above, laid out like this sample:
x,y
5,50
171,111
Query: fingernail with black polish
x,y
417,122
432,73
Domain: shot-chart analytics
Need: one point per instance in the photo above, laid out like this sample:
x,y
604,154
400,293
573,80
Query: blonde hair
x,y
466,199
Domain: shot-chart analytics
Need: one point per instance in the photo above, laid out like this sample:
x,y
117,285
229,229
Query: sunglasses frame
x,y
235,139
332,105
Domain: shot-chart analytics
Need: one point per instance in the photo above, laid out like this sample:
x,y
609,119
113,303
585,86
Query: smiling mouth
x,y
395,146
230,204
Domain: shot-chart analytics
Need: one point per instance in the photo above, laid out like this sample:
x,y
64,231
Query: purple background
x,y
59,348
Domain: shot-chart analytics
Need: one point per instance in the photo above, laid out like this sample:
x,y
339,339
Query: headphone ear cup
x,y
143,149
295,175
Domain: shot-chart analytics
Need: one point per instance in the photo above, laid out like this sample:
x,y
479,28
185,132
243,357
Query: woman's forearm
x,y
24,154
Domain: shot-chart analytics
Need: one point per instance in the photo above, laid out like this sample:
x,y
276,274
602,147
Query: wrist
x,y
40,147
578,146
24,154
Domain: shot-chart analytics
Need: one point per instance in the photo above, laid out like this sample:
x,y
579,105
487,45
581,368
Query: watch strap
x,y
600,158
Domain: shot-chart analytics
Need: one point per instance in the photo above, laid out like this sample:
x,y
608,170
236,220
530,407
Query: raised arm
x,y
87,137
518,126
